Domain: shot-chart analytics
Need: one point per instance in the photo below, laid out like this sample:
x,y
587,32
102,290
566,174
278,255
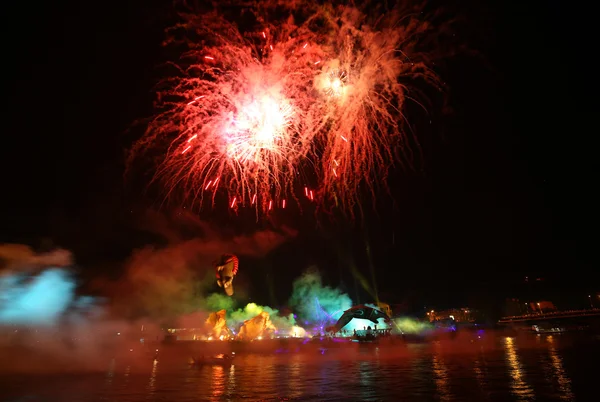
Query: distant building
x,y
463,314
542,307
514,307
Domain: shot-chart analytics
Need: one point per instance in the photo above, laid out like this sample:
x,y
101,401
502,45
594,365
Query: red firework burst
x,y
248,114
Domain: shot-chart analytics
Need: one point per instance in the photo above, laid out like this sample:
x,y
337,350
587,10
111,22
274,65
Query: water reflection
x,y
420,368
294,381
429,372
440,372
231,380
518,385
564,382
111,373
217,382
479,369
366,374
152,382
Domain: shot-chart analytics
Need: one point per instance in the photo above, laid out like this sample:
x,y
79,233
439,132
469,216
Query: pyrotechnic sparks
x,y
258,108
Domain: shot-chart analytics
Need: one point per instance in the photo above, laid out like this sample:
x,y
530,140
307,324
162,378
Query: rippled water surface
x,y
544,369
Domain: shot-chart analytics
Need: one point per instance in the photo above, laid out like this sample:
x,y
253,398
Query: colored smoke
x,y
315,303
408,325
177,279
41,299
219,301
251,310
36,289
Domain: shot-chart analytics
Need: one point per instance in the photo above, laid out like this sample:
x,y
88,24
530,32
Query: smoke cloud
x,y
171,281
282,323
315,303
408,325
35,288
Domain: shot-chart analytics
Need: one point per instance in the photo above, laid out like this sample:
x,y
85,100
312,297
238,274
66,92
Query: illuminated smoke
x,y
34,288
317,304
408,325
219,301
251,310
41,299
168,282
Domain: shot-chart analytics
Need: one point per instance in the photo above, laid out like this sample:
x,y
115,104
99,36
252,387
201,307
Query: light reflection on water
x,y
440,372
430,372
218,382
519,385
564,382
152,382
294,379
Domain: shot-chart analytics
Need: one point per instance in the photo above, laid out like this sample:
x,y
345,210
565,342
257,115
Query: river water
x,y
542,368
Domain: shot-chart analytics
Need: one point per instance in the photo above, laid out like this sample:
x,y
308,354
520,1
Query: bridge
x,y
555,315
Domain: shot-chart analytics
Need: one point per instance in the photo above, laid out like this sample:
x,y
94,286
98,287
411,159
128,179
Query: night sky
x,y
506,188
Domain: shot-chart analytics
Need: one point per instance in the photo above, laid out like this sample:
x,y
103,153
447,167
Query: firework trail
x,y
307,105
374,67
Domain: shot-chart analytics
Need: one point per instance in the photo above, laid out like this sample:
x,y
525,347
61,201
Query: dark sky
x,y
506,187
